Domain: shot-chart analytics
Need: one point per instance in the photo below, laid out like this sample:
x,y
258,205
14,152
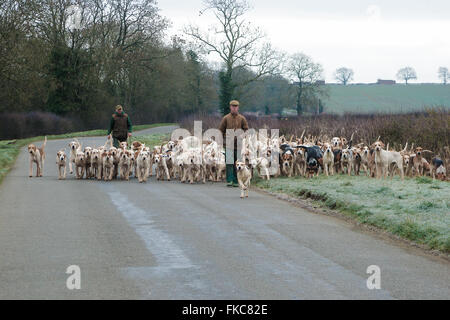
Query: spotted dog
x,y
314,159
438,169
287,160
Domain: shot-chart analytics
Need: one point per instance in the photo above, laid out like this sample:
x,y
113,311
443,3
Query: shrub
x,y
24,125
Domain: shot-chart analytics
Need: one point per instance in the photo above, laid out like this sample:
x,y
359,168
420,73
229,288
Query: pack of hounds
x,y
191,160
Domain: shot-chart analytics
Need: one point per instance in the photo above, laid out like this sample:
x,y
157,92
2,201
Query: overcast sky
x,y
374,38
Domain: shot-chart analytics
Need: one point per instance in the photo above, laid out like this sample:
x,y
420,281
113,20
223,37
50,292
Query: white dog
x,y
262,165
74,146
243,176
347,160
161,166
328,159
108,165
61,164
96,164
125,164
143,166
37,155
383,159
80,164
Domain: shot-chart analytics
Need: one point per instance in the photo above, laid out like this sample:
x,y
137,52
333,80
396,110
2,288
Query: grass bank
x,y
9,149
415,209
152,140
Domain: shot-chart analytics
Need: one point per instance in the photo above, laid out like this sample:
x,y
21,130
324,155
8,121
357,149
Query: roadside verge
x,y
414,209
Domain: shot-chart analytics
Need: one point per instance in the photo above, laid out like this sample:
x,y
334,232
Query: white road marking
x,y
170,278
167,253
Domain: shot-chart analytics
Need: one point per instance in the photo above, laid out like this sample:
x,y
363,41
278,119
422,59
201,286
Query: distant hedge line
x,y
24,125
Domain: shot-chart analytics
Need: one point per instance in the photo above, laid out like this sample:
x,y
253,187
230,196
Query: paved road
x,y
167,240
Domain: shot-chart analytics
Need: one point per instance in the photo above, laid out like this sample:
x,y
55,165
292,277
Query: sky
x,y
374,38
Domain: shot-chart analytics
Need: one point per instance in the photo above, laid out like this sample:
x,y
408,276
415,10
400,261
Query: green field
x,y
398,98
415,209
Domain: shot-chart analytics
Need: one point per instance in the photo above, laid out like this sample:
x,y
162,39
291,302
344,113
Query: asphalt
x,y
168,240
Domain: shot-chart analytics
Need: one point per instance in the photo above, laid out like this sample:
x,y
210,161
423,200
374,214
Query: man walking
x,y
234,121
120,127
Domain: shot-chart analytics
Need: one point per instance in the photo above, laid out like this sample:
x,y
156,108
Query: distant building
x,y
318,82
385,81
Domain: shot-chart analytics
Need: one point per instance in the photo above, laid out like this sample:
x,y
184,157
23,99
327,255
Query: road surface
x,y
168,240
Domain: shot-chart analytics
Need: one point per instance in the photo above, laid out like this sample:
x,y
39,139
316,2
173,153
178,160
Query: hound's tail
x,y
80,145
43,147
106,143
45,143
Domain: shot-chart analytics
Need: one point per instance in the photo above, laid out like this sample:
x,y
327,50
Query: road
x,y
168,240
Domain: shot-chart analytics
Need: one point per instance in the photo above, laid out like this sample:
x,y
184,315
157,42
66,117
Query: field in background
x,y
415,209
398,98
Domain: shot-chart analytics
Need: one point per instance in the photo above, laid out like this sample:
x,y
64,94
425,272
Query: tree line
x,y
79,58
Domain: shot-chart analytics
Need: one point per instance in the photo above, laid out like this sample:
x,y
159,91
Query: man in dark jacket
x,y
234,121
120,127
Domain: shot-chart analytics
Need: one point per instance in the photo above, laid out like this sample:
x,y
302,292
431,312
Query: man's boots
x,y
230,175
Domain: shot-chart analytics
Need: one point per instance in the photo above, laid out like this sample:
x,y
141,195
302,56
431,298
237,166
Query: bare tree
x,y
304,73
237,44
407,73
443,74
344,75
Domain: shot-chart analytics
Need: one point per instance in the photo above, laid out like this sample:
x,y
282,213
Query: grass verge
x,y
152,140
414,209
9,149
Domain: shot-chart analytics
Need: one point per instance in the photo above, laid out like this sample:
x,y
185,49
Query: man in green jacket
x,y
120,127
